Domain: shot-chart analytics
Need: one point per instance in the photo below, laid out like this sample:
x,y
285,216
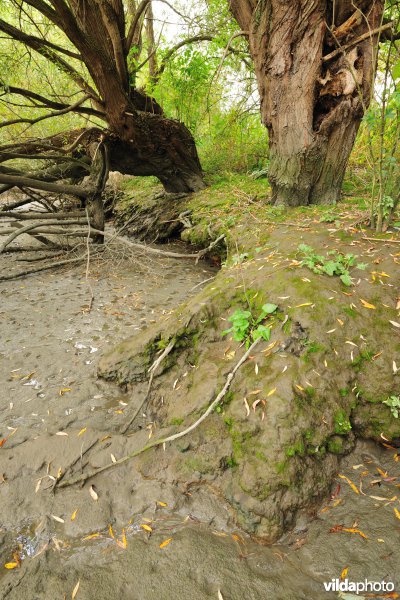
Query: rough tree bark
x,y
312,98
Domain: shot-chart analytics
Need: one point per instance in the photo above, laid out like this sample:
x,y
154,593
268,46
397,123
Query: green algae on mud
x,y
289,418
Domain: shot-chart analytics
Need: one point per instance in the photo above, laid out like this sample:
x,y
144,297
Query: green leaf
x,y
396,71
262,332
268,308
226,331
346,279
362,266
330,268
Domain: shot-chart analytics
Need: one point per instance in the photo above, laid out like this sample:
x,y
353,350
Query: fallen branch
x,y
9,207
36,235
60,263
30,215
46,186
166,253
30,227
152,371
84,477
74,462
371,239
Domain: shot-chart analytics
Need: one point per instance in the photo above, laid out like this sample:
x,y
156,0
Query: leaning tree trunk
x,y
315,78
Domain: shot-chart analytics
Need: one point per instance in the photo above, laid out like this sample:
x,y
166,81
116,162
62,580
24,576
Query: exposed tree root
x,y
159,252
152,371
82,478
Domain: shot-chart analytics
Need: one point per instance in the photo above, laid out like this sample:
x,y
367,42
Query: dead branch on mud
x,y
46,267
32,226
82,478
150,250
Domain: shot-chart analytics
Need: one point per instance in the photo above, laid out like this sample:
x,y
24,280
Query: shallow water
x,y
49,349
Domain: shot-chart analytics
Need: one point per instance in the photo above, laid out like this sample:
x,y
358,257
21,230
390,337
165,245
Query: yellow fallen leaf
x,y
271,392
11,565
304,304
122,543
367,304
73,516
165,543
397,513
353,530
75,591
82,431
111,532
351,484
146,528
161,504
90,537
344,573
64,391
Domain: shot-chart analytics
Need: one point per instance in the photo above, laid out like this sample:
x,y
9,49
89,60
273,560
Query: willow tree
x,y
96,44
315,63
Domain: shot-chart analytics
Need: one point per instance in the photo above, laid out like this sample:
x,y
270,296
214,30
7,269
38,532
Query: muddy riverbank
x,y
125,534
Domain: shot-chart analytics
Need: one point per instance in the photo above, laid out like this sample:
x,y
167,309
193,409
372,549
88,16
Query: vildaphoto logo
x,y
338,585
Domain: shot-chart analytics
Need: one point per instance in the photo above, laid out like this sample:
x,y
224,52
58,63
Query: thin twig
x,y
84,477
152,371
356,41
53,265
371,239
166,253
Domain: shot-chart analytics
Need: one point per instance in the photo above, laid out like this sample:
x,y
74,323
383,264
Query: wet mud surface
x,y
123,535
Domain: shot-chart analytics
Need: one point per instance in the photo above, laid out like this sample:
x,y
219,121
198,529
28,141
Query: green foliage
x,y
335,263
342,423
394,404
247,328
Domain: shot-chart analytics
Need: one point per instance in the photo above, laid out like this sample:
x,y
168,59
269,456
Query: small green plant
x,y
334,263
394,404
247,328
328,218
342,423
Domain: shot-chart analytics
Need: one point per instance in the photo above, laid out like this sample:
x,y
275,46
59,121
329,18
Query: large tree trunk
x,y
311,104
150,144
